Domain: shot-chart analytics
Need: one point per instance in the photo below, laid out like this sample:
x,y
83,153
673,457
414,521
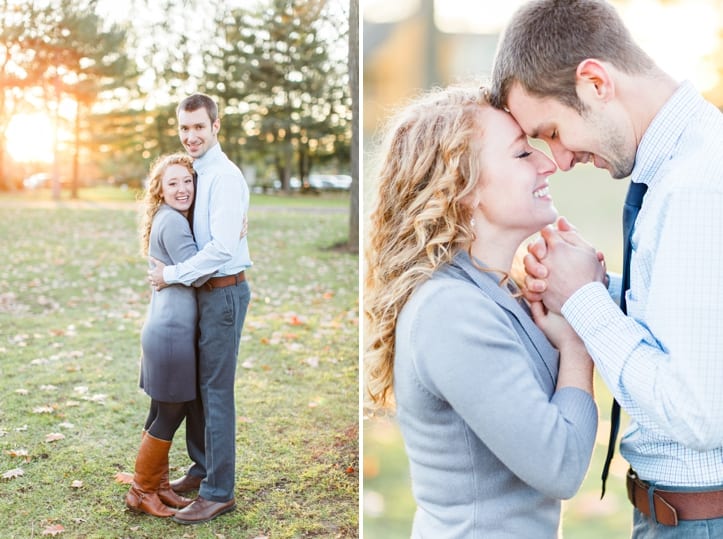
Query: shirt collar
x,y
661,137
200,163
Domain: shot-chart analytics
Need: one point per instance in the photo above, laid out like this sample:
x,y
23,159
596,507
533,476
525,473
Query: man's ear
x,y
594,80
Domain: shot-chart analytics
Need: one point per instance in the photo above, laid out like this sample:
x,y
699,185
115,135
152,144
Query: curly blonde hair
x,y
153,197
421,219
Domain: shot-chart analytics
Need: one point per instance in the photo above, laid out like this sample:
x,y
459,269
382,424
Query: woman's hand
x,y
576,366
555,327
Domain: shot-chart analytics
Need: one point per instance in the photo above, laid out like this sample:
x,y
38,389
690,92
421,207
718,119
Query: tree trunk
x,y
354,87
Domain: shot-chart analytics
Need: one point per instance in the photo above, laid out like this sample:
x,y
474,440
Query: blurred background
x,y
88,89
411,45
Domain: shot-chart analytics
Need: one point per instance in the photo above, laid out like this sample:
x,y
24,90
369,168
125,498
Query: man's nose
x,y
564,158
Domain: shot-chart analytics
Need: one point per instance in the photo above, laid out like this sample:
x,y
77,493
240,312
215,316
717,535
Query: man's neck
x,y
644,96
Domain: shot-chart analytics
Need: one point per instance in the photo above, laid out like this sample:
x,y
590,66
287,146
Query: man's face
x,y
196,131
598,135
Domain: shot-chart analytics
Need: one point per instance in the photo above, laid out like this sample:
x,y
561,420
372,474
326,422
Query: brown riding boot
x,y
168,496
165,492
151,463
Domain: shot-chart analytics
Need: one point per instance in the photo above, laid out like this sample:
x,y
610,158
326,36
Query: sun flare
x,y
30,138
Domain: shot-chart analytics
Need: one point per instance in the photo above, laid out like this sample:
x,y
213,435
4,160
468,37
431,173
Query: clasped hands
x,y
558,264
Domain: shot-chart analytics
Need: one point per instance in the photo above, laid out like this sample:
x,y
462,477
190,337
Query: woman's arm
x,y
476,362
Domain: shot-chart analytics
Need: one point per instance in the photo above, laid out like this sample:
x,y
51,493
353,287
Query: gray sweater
x,y
492,447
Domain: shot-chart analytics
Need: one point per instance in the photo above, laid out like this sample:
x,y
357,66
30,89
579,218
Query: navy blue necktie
x,y
633,201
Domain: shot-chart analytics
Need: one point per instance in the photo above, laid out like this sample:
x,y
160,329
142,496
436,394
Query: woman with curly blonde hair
x,y
496,412
168,338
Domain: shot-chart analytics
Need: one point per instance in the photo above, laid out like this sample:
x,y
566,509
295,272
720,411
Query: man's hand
x,y
535,283
560,263
155,275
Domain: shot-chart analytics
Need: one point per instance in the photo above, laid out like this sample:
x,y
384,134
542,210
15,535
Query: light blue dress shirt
x,y
222,201
664,361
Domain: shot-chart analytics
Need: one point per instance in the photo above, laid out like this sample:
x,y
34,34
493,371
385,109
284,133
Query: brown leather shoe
x,y
202,510
186,484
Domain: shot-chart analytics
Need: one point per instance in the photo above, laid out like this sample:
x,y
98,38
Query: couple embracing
x,y
190,340
492,378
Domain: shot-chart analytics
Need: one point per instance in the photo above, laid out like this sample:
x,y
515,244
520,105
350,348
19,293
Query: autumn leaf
x,y
295,320
19,453
12,474
312,361
76,484
55,529
124,477
43,410
54,437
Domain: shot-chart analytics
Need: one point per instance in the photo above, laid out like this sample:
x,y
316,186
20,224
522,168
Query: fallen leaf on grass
x,y
19,453
76,484
43,410
22,391
12,474
98,397
124,477
55,529
54,437
312,361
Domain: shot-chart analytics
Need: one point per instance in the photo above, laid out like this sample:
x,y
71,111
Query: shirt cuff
x,y
593,315
169,275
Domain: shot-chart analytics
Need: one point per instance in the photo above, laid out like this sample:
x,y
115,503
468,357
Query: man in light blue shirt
x,y
221,206
571,75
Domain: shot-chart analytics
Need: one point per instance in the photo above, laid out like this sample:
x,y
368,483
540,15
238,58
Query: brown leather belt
x,y
672,506
226,280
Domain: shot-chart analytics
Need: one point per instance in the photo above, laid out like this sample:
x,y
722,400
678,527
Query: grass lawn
x,y
107,194
72,301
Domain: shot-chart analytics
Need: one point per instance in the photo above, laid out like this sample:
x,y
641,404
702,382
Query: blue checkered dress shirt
x,y
664,360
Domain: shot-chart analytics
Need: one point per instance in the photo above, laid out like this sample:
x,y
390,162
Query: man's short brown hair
x,y
547,39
